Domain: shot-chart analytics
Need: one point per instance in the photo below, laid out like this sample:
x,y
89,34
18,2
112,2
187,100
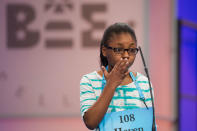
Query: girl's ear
x,y
104,51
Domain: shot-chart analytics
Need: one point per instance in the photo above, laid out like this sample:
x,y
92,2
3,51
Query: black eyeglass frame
x,y
118,50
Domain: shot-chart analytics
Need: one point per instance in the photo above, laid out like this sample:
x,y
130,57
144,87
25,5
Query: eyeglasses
x,y
120,51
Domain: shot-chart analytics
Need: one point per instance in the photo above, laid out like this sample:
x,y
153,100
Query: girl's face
x,y
124,41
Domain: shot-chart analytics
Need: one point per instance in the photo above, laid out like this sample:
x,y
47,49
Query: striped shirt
x,y
125,96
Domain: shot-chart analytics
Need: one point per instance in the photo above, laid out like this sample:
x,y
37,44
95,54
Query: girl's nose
x,y
125,55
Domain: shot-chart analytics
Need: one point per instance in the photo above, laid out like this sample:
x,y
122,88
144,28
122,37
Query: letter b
x,y
18,18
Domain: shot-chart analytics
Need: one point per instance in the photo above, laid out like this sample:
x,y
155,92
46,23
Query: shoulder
x,y
143,80
141,77
93,76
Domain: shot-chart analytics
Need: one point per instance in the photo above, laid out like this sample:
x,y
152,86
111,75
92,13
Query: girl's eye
x,y
118,50
132,50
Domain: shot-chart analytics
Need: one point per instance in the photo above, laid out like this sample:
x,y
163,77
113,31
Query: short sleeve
x,y
87,95
144,85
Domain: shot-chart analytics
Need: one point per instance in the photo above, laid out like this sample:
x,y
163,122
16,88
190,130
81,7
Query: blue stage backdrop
x,y
187,64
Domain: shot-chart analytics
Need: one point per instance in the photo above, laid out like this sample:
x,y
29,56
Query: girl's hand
x,y
118,73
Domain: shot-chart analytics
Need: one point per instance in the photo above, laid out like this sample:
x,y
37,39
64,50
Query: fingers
x,y
118,64
123,66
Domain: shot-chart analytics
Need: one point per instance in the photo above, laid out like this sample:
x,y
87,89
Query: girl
x,y
115,98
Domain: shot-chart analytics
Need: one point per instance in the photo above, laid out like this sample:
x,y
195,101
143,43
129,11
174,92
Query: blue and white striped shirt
x,y
125,96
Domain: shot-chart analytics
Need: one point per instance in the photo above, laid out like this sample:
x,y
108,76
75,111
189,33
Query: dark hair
x,y
116,28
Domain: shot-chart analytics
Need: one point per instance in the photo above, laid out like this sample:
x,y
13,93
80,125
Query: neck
x,y
109,68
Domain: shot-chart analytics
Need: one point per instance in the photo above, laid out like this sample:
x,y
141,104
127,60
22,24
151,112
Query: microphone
x,y
147,74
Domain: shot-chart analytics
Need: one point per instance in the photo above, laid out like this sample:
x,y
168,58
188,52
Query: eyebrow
x,y
130,44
